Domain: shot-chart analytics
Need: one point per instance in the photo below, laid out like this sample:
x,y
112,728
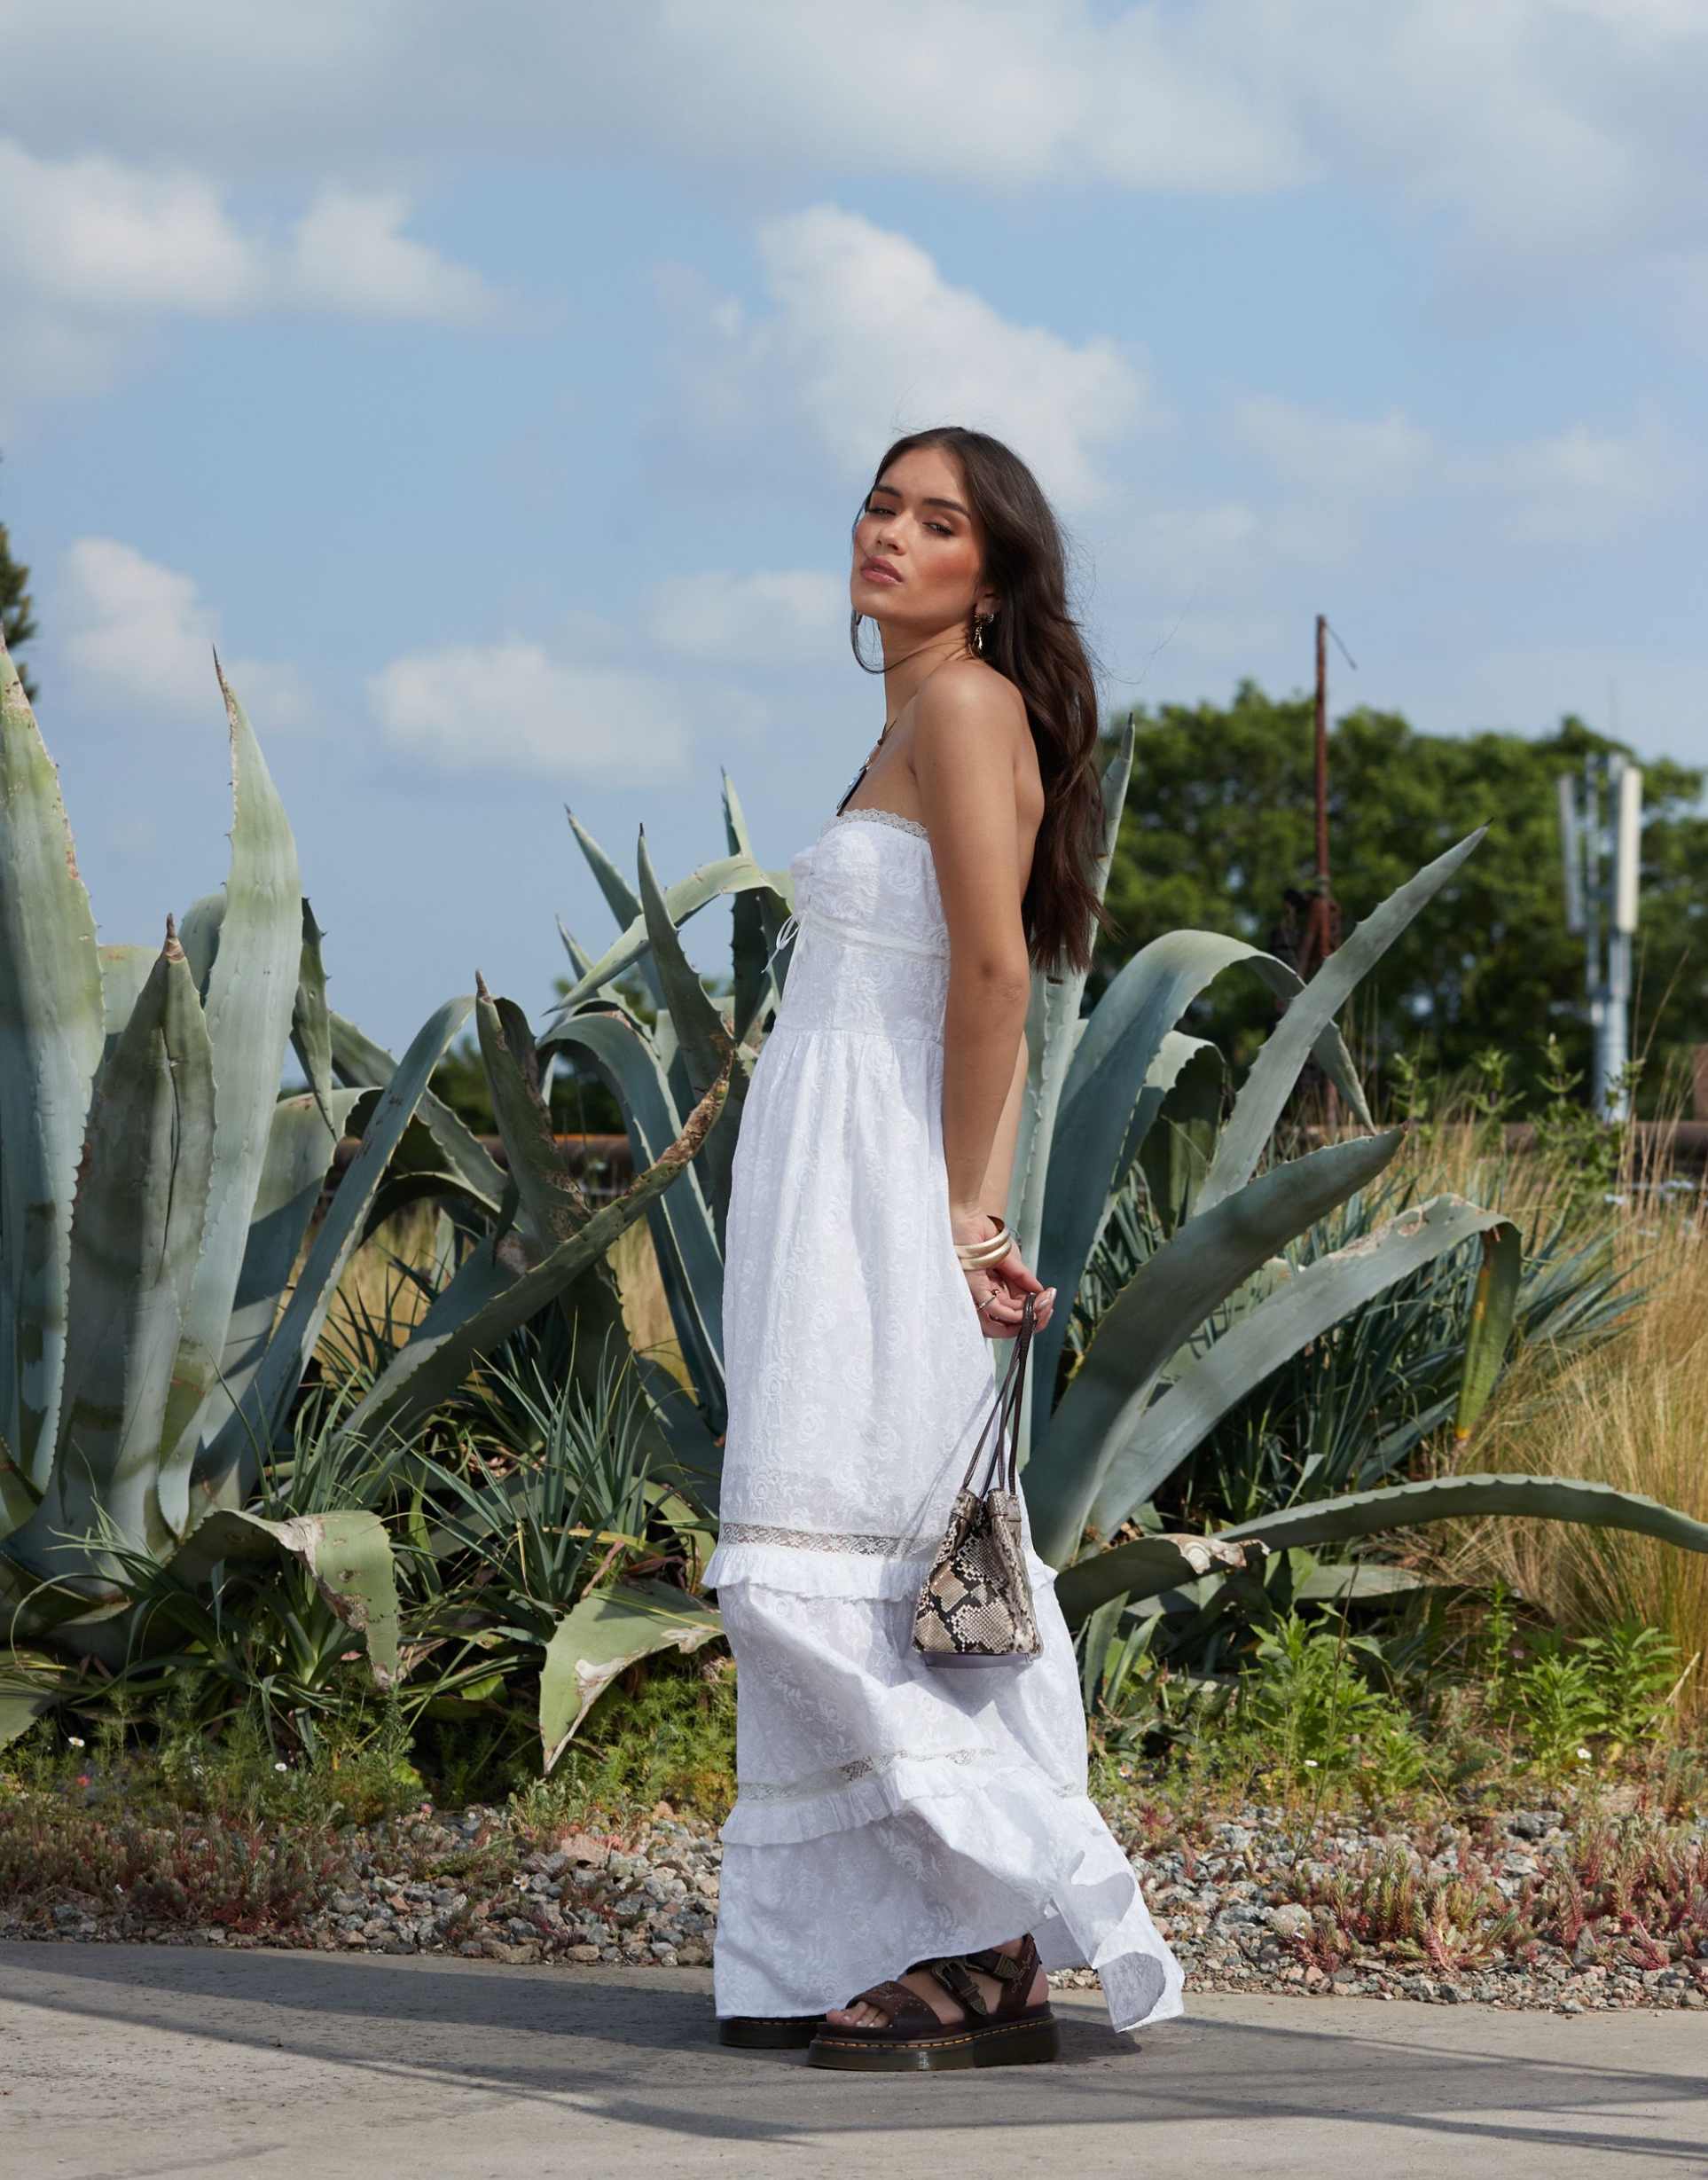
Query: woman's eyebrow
x,y
894,494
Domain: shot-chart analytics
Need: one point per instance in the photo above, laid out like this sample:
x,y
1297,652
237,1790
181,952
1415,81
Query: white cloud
x,y
1537,134
349,254
513,705
868,339
103,236
759,619
94,252
139,638
1584,486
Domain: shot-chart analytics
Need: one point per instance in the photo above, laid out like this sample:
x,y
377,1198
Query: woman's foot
x,y
946,2008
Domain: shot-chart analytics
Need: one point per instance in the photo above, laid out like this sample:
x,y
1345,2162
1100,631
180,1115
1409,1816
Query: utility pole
x,y
1600,840
1321,933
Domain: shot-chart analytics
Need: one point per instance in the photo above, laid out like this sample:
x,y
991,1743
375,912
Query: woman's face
x,y
918,528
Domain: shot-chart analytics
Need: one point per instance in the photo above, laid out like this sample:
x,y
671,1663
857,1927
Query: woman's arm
x,y
964,749
998,1175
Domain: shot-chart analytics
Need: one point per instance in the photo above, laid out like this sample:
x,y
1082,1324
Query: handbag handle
x,y
1005,1414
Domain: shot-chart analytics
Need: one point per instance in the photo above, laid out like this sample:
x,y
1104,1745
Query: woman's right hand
x,y
999,1290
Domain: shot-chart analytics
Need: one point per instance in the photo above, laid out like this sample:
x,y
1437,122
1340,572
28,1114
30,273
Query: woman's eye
x,y
944,530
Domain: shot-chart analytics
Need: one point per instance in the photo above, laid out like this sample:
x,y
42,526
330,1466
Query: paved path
x,y
118,2062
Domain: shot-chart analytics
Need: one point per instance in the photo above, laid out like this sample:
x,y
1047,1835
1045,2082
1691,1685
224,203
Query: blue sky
x,y
501,405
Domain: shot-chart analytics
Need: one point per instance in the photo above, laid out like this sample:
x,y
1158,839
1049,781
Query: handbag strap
x,y
1005,1413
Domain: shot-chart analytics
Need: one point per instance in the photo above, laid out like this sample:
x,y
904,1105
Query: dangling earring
x,y
978,633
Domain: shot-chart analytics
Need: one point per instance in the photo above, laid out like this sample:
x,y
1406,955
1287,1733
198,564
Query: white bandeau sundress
x,y
885,1810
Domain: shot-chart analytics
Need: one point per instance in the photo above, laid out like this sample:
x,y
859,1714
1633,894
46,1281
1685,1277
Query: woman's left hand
x,y
999,1290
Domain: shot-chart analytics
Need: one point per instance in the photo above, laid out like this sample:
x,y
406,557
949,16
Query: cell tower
x,y
1600,838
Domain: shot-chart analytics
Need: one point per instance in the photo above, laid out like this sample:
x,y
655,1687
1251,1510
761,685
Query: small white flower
x,y
1310,1763
1583,1755
75,1740
281,1767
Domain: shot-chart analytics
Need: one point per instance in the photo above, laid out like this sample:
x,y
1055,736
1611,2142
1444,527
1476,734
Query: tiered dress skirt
x,y
885,1810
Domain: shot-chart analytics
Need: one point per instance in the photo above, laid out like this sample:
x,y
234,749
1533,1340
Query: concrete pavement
x,y
118,2062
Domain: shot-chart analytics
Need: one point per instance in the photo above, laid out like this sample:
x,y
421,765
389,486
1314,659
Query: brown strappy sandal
x,y
914,2041
769,2032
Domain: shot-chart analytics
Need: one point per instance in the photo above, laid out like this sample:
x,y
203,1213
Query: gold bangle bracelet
x,y
977,1256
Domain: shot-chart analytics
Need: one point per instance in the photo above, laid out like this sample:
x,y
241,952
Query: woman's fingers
x,y
1015,1271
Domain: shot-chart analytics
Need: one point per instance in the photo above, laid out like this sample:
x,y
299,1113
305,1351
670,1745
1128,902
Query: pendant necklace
x,y
849,790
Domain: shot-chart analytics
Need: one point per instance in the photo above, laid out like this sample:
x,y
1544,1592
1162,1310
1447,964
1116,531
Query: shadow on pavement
x,y
636,2048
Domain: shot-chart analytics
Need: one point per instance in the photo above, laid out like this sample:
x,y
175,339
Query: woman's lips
x,y
878,572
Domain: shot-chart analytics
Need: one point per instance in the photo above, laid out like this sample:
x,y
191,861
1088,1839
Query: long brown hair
x,y
1035,642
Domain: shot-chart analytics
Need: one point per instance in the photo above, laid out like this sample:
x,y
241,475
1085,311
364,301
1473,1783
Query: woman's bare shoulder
x,y
970,707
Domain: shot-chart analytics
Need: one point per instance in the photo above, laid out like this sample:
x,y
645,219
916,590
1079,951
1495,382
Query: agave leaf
x,y
299,1148
730,874
1358,1580
359,1060
756,926
311,1023
620,897
550,1195
1082,1587
609,1630
580,959
199,936
553,1201
52,1032
29,1684
1149,1448
435,1362
1105,1415
248,1430
1104,1114
347,1553
18,1502
250,988
1276,1067
703,1038
1493,1306
142,1204
1052,1020
1446,1498
1149,1566
124,971
689,1261
1175,1155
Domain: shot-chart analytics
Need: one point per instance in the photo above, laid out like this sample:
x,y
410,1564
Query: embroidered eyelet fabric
x,y
886,1810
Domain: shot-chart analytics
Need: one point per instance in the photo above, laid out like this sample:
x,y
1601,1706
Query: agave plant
x,y
657,1069
1216,1308
1210,1313
155,1190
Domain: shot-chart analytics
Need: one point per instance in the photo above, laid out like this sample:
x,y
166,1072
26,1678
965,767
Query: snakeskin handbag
x,y
974,1607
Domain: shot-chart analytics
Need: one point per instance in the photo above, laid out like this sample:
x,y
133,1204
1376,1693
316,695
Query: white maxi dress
x,y
885,1810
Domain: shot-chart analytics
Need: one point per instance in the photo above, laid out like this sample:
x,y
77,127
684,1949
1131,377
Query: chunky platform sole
x,y
1023,2043
769,2032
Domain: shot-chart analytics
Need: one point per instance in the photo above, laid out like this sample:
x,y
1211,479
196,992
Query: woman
x,y
910,1850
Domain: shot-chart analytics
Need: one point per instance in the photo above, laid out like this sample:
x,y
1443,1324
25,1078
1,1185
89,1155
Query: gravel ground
x,y
1233,1903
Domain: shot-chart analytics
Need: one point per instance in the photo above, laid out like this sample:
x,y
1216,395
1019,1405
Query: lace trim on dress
x,y
873,1547
883,817
813,1783
827,1781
